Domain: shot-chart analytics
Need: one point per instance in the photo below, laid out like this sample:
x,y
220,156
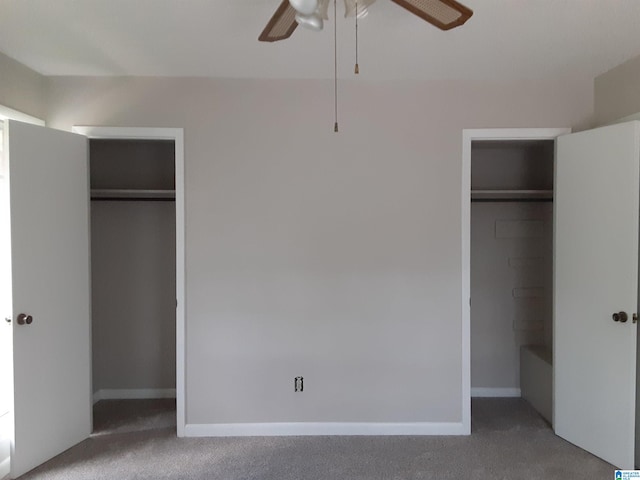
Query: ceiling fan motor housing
x,y
305,7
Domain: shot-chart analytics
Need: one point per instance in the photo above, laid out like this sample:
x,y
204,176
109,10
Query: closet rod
x,y
511,200
514,195
131,199
131,194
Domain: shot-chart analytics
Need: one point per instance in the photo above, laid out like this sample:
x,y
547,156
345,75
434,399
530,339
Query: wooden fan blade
x,y
444,14
282,24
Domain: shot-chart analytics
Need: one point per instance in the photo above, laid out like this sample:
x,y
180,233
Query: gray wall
x,y
133,294
333,256
617,92
22,88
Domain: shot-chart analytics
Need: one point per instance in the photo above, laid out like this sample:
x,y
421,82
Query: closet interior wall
x,y
511,259
133,262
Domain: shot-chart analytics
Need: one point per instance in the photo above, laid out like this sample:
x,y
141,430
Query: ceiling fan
x,y
444,14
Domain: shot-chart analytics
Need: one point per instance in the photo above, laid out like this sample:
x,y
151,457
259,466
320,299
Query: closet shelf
x,y
131,194
511,194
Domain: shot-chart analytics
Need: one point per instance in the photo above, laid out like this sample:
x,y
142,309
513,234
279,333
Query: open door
x,y
595,280
50,311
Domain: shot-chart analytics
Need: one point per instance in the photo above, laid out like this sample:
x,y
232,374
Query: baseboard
x,y
329,428
133,394
495,392
5,468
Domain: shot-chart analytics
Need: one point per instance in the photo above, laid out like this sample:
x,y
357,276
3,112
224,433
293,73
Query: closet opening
x,y
511,275
133,291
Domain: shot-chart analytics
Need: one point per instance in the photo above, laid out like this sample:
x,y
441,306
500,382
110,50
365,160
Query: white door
x,y
596,275
49,201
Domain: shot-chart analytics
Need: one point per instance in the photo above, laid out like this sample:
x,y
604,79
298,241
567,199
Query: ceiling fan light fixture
x,y
362,7
323,9
311,22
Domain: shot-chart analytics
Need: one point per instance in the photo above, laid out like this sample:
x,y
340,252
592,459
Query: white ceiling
x,y
505,39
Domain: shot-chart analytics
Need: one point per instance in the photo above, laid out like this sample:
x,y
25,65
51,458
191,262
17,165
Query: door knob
x,y
621,317
635,318
23,318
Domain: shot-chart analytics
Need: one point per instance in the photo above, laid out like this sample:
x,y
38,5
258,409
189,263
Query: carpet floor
x,y
135,439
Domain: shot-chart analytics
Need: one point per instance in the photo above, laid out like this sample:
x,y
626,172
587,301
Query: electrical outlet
x,y
298,384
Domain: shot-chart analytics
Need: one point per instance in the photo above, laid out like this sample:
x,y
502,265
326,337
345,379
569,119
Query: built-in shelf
x,y
511,195
131,194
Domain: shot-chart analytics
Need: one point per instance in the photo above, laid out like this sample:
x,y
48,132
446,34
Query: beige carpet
x,y
135,439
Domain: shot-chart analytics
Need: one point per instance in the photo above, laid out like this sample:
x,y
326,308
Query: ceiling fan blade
x,y
282,24
444,14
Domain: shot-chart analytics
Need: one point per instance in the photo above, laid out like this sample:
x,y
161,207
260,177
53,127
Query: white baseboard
x,y
133,394
309,429
495,392
5,468
6,427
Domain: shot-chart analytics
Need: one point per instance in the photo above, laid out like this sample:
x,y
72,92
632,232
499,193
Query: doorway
x,y
507,265
137,177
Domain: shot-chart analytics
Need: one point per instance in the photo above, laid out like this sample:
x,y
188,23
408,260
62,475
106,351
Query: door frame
x,y
177,135
468,136
7,113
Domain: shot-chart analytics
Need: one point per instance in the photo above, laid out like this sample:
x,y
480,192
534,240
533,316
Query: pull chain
x,y
335,62
357,68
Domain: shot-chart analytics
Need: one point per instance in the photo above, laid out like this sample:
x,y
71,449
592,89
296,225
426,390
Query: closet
x,y
511,269
133,268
